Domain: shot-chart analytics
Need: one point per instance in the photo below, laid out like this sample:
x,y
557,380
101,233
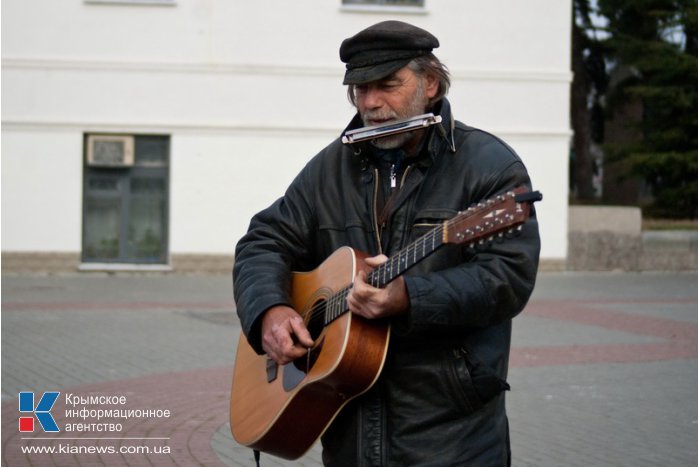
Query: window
x,y
409,3
125,205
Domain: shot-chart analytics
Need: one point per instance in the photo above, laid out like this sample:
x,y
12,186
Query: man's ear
x,y
432,83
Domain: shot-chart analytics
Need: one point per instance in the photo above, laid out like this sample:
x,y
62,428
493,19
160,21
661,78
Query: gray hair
x,y
422,66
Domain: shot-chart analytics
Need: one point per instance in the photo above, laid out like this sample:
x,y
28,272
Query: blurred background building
x,y
144,134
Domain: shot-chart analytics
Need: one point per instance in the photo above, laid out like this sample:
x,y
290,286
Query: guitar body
x,y
283,410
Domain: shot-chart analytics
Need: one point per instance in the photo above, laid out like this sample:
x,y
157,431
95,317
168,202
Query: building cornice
x,y
521,75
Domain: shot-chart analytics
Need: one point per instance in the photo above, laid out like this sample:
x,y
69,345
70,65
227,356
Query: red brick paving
x,y
680,338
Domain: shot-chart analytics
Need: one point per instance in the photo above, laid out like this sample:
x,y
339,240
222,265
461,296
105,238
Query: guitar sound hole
x,y
315,319
315,325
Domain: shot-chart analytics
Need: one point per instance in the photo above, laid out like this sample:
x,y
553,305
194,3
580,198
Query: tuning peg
x,y
514,231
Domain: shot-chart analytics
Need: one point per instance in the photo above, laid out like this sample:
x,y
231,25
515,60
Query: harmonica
x,y
391,128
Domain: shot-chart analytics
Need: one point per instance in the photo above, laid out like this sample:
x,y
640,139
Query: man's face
x,y
402,94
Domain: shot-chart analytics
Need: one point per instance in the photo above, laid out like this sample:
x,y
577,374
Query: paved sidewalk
x,y
603,371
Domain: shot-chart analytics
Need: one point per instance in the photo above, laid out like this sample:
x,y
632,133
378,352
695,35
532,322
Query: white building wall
x,y
249,91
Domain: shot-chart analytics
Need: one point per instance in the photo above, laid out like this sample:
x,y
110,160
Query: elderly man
x,y
439,399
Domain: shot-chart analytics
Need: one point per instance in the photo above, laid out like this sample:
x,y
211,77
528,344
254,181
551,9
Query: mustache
x,y
379,115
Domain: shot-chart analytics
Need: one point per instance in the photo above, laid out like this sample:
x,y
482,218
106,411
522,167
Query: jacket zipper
x,y
392,180
407,225
374,209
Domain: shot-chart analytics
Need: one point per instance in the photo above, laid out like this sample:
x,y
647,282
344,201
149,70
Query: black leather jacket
x,y
439,400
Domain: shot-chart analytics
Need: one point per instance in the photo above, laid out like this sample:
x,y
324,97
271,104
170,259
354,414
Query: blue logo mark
x,y
42,411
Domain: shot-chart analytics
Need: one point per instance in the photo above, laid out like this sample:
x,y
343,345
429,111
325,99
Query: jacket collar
x,y
446,128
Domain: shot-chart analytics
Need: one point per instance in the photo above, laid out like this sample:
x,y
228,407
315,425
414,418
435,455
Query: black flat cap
x,y
378,51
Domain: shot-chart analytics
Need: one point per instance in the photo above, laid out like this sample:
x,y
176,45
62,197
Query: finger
x,y
284,353
271,349
280,337
361,276
375,261
352,302
353,299
301,332
275,343
360,298
360,288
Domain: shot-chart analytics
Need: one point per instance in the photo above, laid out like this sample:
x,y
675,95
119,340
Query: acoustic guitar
x,y
283,410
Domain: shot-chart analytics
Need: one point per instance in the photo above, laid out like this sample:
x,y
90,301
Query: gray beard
x,y
393,141
417,106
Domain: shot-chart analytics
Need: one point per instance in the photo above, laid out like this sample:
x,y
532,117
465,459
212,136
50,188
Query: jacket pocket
x,y
424,222
427,219
472,383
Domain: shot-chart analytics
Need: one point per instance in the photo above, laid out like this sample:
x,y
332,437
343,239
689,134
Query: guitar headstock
x,y
502,213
